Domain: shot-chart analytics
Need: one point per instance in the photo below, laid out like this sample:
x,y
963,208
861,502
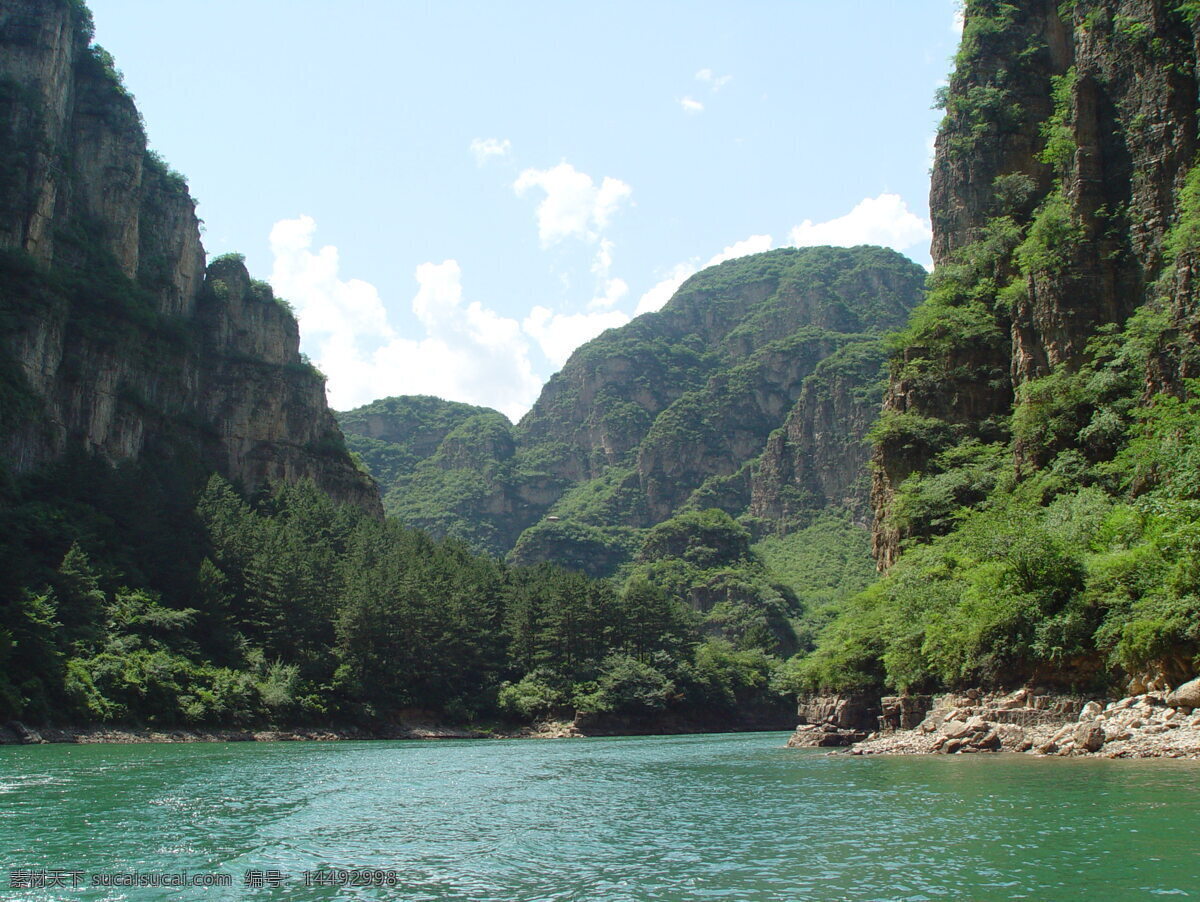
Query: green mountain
x,y
1034,469
750,391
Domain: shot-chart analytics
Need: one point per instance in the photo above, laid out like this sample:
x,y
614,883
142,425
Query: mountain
x,y
116,340
1033,467
750,391
187,540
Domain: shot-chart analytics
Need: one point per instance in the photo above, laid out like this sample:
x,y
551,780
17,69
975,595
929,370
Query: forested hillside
x,y
186,539
1035,465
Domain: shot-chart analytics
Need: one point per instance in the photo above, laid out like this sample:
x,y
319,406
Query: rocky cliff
x,y
114,336
673,411
1069,134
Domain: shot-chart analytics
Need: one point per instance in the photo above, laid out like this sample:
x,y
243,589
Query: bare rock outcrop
x,y
1149,725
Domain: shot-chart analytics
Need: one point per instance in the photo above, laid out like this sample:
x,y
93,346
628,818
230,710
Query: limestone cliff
x,y
1070,131
113,334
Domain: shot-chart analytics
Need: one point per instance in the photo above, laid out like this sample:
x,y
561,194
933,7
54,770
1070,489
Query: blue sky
x,y
454,195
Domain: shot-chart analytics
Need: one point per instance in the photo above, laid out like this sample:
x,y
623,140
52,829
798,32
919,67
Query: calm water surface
x,y
728,817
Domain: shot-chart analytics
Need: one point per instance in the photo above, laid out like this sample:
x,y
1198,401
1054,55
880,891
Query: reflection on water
x,y
729,817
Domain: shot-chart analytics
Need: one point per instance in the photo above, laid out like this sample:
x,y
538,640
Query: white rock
x,y
1089,712
1187,695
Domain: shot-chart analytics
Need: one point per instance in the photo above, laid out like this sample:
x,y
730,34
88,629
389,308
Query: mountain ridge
x,y
654,417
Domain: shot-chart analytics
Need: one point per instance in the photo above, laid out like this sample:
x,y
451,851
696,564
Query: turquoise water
x,y
728,817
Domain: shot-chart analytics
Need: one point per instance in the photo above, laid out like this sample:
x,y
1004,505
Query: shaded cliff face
x,y
113,336
1069,134
670,412
818,459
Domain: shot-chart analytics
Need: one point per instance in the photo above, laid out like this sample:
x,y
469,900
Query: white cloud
x,y
483,149
574,205
755,244
884,220
956,25
716,82
656,297
691,106
467,352
604,257
324,303
612,291
559,334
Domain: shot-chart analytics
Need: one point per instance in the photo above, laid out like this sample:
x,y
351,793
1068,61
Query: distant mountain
x,y
750,391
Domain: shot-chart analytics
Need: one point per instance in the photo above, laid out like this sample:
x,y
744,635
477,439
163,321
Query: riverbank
x,y
1149,725
16,733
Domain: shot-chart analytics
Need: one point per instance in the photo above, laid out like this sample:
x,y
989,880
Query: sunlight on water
x,y
730,817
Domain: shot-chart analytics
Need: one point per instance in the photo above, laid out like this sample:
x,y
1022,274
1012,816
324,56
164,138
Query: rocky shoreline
x,y
582,726
1155,724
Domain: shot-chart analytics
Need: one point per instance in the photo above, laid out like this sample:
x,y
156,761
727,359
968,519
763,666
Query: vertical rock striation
x,y
113,334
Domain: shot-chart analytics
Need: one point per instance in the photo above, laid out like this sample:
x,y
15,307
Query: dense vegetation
x,y
1047,512
121,604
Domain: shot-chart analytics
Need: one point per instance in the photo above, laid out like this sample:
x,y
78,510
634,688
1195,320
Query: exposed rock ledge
x,y
1150,725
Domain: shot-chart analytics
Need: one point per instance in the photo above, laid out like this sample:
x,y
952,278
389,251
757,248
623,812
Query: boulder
x,y
1014,699
1089,736
1186,696
955,729
1090,711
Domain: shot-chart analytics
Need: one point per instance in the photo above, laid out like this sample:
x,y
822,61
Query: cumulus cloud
x,y
755,244
884,220
484,149
716,82
691,105
559,334
574,206
956,24
467,352
656,297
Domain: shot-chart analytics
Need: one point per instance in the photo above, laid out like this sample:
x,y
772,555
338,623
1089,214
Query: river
x,y
716,817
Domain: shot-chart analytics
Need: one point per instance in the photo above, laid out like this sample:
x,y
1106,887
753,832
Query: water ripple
x,y
659,818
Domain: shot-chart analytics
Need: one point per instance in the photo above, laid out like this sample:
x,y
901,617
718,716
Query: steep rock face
x,y
112,335
1070,131
819,457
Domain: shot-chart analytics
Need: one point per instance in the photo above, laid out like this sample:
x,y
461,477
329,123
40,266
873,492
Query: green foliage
x,y
1184,236
1189,10
174,181
908,435
823,563
930,501
1013,192
628,685
533,696
1052,238
1059,149
1079,571
85,27
98,61
704,538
